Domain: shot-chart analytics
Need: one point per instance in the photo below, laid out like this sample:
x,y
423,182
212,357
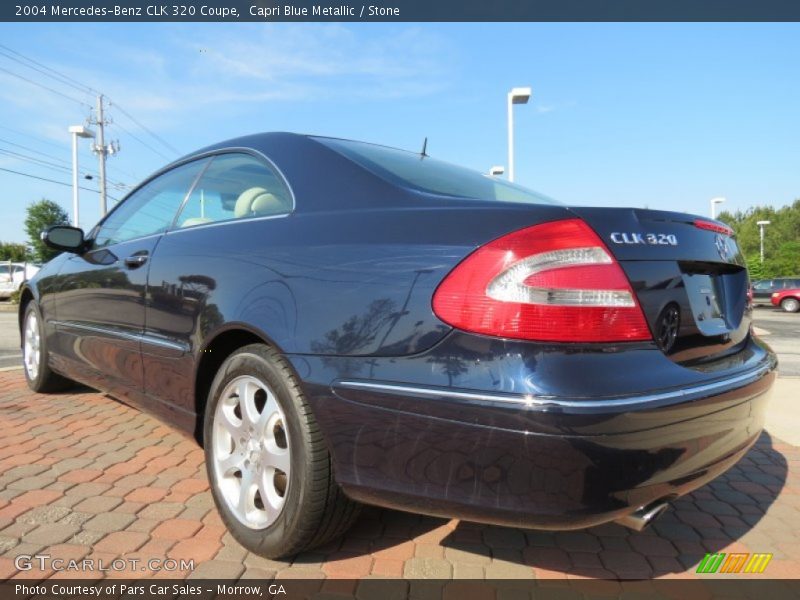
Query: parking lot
x,y
82,475
9,336
781,330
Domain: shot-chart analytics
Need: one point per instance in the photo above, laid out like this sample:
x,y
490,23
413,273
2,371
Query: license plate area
x,y
706,298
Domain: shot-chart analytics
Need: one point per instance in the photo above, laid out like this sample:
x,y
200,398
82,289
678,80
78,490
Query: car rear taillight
x,y
713,226
551,282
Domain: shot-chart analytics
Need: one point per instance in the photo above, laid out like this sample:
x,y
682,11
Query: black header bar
x,y
398,10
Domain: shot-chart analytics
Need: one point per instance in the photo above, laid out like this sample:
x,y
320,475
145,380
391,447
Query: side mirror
x,y
64,237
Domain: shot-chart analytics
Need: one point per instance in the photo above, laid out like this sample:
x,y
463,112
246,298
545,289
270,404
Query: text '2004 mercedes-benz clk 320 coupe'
x,y
342,323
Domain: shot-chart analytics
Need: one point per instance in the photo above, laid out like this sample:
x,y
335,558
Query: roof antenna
x,y
424,154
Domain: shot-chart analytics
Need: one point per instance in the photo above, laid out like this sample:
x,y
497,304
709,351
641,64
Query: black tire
x,y
45,379
315,510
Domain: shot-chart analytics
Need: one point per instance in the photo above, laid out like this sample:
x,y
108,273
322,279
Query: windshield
x,y
427,174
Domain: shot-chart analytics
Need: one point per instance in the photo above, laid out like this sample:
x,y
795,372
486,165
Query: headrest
x,y
191,221
257,201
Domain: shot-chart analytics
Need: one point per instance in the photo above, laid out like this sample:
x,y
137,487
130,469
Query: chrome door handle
x,y
135,261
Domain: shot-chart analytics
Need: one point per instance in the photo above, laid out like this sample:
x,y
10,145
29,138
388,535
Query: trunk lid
x,y
688,274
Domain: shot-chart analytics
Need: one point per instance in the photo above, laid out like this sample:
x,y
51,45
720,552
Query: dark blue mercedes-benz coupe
x,y
342,323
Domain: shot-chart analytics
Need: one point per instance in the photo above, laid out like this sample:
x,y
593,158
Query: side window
x,y
235,186
151,209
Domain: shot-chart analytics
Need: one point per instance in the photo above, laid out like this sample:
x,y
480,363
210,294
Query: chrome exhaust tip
x,y
641,518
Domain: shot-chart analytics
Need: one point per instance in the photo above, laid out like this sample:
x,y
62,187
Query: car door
x,y
99,304
198,262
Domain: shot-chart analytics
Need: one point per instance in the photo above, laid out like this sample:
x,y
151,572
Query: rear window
x,y
426,174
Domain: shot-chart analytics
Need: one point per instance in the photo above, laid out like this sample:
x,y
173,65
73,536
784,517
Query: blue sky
x,y
658,115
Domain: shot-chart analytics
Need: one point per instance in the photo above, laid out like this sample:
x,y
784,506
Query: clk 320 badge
x,y
648,239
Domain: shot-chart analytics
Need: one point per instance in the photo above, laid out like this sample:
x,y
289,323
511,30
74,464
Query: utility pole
x,y
102,152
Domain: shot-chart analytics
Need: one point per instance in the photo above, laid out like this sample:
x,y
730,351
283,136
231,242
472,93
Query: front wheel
x,y
790,304
38,374
268,465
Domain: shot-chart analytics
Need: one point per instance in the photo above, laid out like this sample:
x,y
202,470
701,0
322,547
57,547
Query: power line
x,y
87,153
62,79
74,81
35,137
124,172
35,160
62,160
137,122
49,180
29,149
140,140
47,165
44,87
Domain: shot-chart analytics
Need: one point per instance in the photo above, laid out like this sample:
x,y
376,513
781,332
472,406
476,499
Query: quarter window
x,y
151,209
235,186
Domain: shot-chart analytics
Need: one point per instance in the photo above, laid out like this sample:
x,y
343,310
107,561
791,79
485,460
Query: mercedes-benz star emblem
x,y
723,248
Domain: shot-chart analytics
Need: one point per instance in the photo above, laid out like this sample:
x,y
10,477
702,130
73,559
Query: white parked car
x,y
13,275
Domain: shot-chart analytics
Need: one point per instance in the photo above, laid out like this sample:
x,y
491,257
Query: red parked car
x,y
788,300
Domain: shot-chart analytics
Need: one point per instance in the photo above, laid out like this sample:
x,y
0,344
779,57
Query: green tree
x,y
781,239
42,215
13,252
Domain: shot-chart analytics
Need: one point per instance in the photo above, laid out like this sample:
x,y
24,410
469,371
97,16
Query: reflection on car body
x,y
342,323
788,299
764,288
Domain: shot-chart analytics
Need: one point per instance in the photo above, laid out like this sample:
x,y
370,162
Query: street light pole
x,y
761,225
76,131
515,96
714,202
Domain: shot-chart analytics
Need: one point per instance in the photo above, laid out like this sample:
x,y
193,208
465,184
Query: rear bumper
x,y
530,461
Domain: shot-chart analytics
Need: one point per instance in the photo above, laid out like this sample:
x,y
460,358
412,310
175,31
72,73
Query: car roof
x,y
291,154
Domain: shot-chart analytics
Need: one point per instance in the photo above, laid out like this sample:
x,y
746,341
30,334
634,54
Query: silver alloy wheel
x,y
31,348
790,305
250,446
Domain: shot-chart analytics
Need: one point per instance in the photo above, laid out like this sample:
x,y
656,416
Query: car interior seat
x,y
258,202
196,221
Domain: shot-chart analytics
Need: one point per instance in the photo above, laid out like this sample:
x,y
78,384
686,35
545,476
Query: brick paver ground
x,y
82,475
